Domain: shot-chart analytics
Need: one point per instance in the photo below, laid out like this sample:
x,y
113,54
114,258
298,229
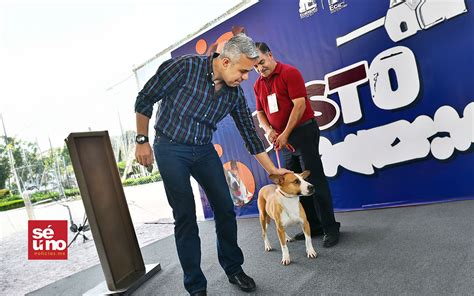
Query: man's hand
x,y
144,154
272,136
280,171
281,141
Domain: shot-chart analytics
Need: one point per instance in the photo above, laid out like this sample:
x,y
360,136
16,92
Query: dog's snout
x,y
311,188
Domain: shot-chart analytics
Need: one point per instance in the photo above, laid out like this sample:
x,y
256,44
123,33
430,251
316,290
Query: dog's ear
x,y
277,179
305,174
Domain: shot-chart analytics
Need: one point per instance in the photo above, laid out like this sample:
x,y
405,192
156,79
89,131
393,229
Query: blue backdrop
x,y
305,34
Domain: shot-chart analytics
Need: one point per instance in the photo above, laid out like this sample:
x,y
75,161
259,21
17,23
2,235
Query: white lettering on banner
x,y
345,81
402,60
401,141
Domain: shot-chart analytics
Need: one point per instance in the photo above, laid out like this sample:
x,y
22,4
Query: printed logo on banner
x,y
307,8
47,240
336,5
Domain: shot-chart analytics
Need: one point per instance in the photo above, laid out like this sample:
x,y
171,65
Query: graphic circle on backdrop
x,y
241,182
218,149
201,46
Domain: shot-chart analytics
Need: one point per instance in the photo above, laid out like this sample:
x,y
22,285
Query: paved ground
x,y
150,212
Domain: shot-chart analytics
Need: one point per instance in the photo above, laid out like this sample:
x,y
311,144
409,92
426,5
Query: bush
x,y
4,193
72,192
143,180
16,201
11,197
46,195
12,204
37,196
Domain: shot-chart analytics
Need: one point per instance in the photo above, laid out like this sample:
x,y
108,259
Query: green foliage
x,y
27,157
143,180
37,196
47,195
65,154
33,167
121,167
4,166
72,192
11,197
16,201
11,204
4,193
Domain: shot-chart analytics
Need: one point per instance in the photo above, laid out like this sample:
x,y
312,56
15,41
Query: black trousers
x,y
319,208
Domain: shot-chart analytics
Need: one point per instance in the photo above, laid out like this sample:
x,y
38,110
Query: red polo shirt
x,y
288,84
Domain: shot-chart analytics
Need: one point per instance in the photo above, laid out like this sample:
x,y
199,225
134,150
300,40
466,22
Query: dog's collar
x,y
283,193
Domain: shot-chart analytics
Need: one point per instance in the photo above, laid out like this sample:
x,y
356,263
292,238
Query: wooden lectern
x,y
106,208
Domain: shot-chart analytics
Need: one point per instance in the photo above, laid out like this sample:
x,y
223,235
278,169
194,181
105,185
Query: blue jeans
x,y
176,163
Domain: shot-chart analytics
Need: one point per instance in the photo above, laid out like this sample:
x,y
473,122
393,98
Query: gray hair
x,y
237,45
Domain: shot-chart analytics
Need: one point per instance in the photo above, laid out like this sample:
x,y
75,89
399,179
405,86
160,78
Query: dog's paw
x,y
285,260
289,239
311,253
268,248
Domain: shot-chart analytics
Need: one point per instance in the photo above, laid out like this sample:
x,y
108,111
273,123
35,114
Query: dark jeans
x,y
177,162
319,209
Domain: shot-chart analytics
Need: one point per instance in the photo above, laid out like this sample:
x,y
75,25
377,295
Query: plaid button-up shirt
x,y
188,107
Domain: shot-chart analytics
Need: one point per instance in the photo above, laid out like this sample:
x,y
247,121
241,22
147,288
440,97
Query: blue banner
x,y
392,89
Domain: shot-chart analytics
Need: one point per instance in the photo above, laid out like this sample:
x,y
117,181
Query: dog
x,y
280,202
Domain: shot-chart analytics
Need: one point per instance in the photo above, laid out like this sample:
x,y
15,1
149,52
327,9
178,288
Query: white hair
x,y
237,45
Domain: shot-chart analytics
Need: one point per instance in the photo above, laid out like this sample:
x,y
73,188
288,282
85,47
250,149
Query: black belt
x,y
159,134
309,121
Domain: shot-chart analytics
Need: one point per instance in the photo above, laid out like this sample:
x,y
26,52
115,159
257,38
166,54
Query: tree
x,y
28,161
4,166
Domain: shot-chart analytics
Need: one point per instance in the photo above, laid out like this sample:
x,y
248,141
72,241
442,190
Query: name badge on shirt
x,y
272,103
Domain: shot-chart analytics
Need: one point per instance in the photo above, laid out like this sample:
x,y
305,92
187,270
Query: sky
x,y
66,66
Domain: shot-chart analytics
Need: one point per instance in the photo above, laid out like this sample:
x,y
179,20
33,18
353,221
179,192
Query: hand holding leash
x,y
277,153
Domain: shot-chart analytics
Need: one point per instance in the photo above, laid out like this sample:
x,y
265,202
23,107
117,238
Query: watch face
x,y
140,139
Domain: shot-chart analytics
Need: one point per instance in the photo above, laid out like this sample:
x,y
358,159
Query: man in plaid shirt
x,y
194,93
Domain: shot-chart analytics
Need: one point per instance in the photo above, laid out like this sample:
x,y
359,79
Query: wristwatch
x,y
141,139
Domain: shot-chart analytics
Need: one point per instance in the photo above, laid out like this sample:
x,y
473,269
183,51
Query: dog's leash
x,y
278,158
277,153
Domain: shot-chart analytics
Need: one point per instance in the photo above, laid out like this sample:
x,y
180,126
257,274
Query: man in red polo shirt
x,y
285,113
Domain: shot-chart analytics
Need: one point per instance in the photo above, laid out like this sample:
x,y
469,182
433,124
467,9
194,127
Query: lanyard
x,y
269,84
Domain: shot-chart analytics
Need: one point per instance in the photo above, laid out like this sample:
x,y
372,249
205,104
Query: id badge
x,y
272,103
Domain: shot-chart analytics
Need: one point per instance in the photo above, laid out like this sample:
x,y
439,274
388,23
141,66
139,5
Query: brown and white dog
x,y
280,201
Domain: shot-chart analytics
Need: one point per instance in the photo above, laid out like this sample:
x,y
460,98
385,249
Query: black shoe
x,y
300,236
330,240
200,293
242,280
